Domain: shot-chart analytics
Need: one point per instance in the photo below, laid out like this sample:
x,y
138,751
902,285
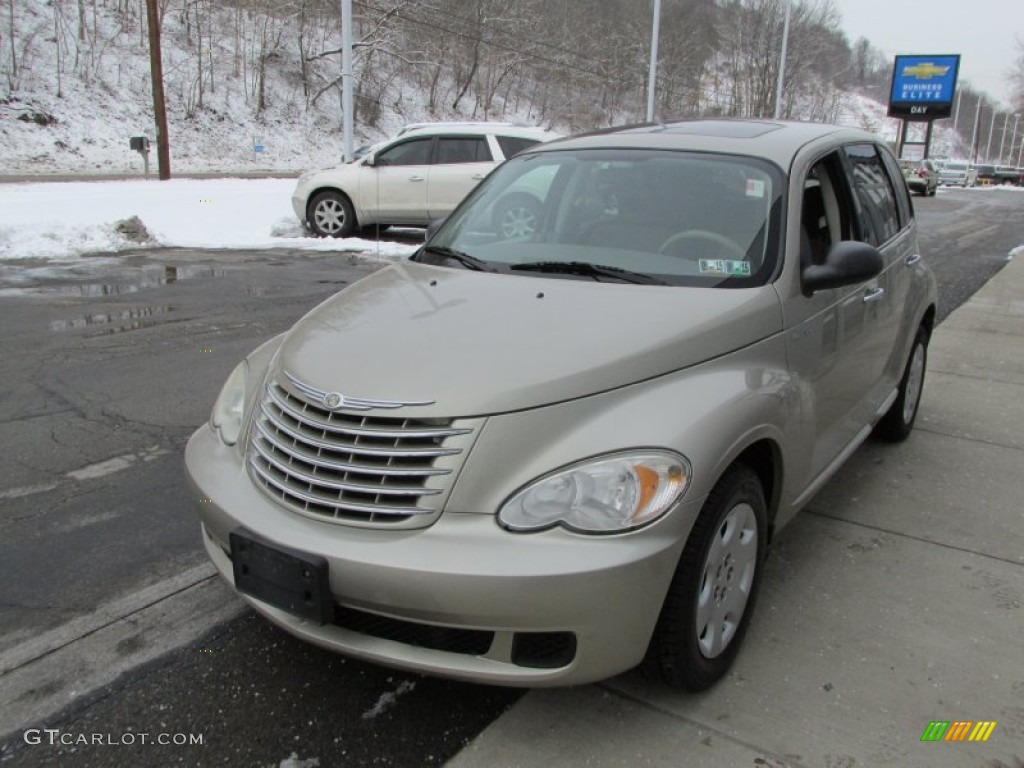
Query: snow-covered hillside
x,y
74,98
82,121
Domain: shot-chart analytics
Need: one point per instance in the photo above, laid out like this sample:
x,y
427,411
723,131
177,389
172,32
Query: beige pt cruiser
x,y
544,457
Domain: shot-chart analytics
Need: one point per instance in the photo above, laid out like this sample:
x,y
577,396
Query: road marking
x,y
104,615
27,490
43,675
90,471
103,468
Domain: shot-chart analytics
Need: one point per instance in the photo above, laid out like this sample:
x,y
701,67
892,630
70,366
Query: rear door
x,y
460,163
880,224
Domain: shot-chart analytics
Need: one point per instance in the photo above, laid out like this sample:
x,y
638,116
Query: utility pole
x,y
1013,141
974,133
156,68
652,74
782,62
1002,141
988,147
346,79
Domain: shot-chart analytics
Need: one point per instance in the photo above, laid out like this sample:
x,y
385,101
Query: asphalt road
x,y
107,370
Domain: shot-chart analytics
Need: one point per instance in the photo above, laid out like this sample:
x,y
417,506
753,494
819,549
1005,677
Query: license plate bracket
x,y
285,578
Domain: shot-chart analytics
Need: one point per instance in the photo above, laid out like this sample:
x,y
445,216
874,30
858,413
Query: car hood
x,y
477,343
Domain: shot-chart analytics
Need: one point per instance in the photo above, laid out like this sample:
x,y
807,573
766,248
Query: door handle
x,y
478,176
416,178
912,259
873,294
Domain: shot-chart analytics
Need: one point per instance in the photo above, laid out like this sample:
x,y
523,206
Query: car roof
x,y
775,140
455,129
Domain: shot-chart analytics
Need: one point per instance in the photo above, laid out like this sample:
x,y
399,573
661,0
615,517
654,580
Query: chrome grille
x,y
351,467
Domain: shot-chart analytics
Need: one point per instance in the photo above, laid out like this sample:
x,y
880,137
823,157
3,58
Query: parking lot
x,y
894,600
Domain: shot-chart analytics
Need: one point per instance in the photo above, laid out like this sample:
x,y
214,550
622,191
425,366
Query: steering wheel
x,y
732,250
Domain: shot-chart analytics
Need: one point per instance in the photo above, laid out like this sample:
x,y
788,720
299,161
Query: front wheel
x,y
898,421
712,594
331,215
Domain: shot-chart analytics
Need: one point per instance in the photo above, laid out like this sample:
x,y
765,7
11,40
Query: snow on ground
x,y
62,221
388,699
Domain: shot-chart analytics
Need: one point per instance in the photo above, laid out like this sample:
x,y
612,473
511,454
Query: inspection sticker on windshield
x,y
725,267
755,188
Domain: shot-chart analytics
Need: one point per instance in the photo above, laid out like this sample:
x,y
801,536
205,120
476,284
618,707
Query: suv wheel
x,y
517,215
331,215
711,597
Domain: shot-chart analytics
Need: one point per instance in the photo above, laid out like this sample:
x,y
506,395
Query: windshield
x,y
677,218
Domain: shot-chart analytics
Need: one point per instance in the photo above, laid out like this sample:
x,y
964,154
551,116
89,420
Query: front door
x,y
395,188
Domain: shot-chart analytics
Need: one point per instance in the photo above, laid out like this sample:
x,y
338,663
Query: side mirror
x,y
369,159
434,225
846,263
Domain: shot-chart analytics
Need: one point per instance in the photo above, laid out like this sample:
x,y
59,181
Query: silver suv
x,y
421,174
543,458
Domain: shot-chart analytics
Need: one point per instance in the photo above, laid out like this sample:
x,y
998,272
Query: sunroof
x,y
731,129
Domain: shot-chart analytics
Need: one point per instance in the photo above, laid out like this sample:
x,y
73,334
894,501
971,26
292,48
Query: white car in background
x,y
418,176
958,173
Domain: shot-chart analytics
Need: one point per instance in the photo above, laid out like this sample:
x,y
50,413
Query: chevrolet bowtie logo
x,y
925,71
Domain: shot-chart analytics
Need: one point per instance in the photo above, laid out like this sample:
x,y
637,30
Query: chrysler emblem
x,y
333,401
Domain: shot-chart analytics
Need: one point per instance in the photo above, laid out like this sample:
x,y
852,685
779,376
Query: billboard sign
x,y
923,87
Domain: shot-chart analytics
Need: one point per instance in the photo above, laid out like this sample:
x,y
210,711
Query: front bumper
x,y
462,573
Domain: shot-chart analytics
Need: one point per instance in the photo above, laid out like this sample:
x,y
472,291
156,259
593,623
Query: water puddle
x,y
114,322
127,282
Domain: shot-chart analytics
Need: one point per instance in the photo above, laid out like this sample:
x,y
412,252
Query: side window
x,y
826,214
879,220
464,149
513,145
906,208
415,152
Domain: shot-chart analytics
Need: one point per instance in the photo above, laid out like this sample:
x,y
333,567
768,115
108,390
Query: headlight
x,y
227,411
609,494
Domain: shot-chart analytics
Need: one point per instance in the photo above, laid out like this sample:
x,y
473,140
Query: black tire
x,y
898,421
330,214
678,651
517,215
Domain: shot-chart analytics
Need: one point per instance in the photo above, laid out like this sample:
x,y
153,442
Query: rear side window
x,y
879,220
513,145
464,149
902,192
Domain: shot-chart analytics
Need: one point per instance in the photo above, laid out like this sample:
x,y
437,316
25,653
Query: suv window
x,y
414,152
463,149
513,145
879,221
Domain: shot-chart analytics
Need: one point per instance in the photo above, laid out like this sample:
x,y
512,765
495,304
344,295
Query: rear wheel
x,y
898,421
331,215
712,594
517,215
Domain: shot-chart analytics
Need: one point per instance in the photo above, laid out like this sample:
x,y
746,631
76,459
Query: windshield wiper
x,y
587,269
470,262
